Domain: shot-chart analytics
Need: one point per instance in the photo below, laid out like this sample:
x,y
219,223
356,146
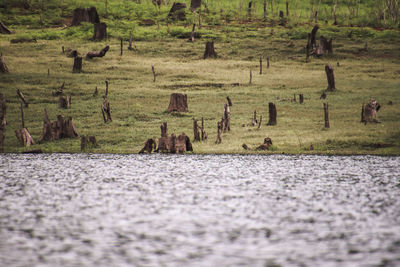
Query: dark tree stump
x,y
219,131
196,131
3,109
177,12
72,53
323,46
260,65
64,102
313,36
3,65
22,97
369,112
77,68
272,114
331,78
100,31
85,15
362,113
58,129
227,118
229,101
154,73
210,51
326,115
149,145
255,121
259,123
106,110
101,53
173,144
301,96
203,132
195,4
88,141
265,146
178,102
3,29
164,129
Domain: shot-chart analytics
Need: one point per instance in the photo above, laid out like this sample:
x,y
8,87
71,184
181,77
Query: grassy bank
x,y
139,104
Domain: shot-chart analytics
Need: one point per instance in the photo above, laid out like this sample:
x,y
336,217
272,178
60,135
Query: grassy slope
x,y
139,104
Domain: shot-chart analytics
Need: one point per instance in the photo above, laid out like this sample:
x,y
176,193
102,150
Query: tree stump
x,y
326,115
301,96
64,102
313,36
192,34
203,132
3,29
101,53
219,132
229,101
88,141
272,114
72,53
154,73
23,134
3,108
85,15
369,112
178,102
58,129
106,110
254,122
210,51
259,123
265,146
77,68
227,118
3,65
96,92
331,78
100,31
60,90
149,145
260,65
323,46
177,12
173,144
164,129
22,97
196,131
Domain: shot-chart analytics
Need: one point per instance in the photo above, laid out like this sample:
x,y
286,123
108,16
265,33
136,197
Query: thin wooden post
x,y
121,46
267,62
106,88
154,73
326,115
259,123
251,77
331,78
227,118
62,48
196,131
254,122
260,65
48,72
22,97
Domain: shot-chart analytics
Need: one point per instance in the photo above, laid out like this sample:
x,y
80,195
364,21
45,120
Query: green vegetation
x,y
139,104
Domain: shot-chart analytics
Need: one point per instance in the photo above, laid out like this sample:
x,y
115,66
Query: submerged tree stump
x,y
85,15
22,97
3,29
210,51
3,65
100,31
88,141
149,145
272,114
178,102
77,68
101,53
331,78
58,129
64,102
326,115
177,12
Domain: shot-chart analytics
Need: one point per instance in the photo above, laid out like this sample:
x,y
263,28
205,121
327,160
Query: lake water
x,y
199,210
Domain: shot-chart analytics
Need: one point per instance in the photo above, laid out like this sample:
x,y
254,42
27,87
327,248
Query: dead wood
x,y
106,110
23,134
3,65
149,145
100,31
177,12
64,102
255,121
173,144
313,36
272,114
178,102
323,46
192,34
196,131
72,53
85,15
265,146
22,97
58,129
219,131
96,92
326,115
331,78
77,68
229,101
154,73
245,147
323,95
227,118
88,141
3,29
101,53
301,97
210,51
203,132
369,112
259,123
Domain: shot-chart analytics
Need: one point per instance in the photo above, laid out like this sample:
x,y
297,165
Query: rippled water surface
x,y
226,210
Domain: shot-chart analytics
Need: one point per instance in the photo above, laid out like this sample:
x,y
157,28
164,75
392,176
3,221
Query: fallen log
x,y
101,53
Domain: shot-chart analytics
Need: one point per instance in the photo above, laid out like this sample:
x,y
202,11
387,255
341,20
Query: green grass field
x,y
139,104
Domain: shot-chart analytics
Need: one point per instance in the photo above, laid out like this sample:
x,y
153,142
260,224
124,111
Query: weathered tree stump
x,y
173,144
3,29
260,65
272,114
220,126
267,62
229,101
178,102
210,51
58,129
196,131
323,46
227,118
331,78
88,141
3,65
77,68
192,34
313,36
106,82
149,145
64,102
3,109
164,129
301,96
100,31
154,73
259,123
369,112
72,53
130,41
106,110
326,115
101,53
255,121
203,132
177,12
23,134
294,98
85,15
265,146
22,97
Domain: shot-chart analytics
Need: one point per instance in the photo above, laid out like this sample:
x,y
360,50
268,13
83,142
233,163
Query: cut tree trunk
x,y
192,34
149,145
173,144
313,36
88,141
323,46
3,29
227,118
229,101
3,65
58,129
164,129
259,123
64,102
203,132
3,108
331,78
326,115
301,96
210,51
254,122
260,65
22,97
77,68
219,131
272,114
196,131
370,110
85,15
154,73
106,110
23,134
101,53
178,102
100,31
